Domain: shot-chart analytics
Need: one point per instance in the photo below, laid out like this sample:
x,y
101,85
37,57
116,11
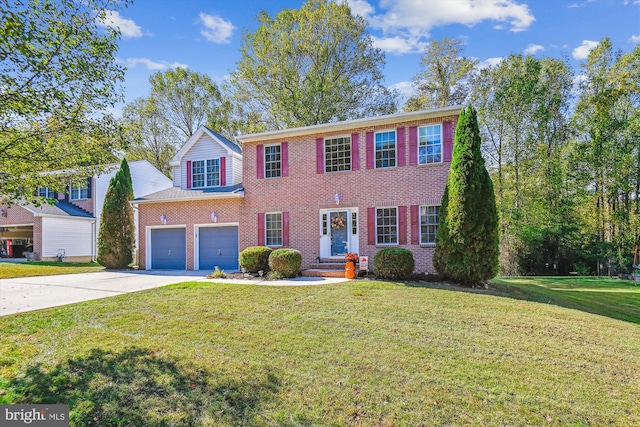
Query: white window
x,y
205,173
273,229
387,226
78,193
428,224
273,161
47,193
337,154
385,149
430,144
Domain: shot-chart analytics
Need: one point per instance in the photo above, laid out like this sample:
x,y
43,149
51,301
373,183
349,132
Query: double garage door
x,y
215,246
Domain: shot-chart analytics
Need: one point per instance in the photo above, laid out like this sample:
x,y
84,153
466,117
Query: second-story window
x,y
80,192
337,154
385,149
205,173
47,193
272,161
430,144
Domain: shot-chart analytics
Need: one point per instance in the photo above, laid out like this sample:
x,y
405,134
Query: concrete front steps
x,y
325,268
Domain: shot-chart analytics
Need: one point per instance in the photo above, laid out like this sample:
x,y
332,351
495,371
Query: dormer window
x,y
80,192
205,173
47,193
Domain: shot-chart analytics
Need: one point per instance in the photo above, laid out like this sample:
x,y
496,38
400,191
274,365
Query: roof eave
x,y
232,195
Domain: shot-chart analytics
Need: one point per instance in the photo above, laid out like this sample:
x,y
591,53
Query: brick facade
x,y
302,192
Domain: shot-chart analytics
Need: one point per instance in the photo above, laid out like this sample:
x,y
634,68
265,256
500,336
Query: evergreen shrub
x,y
255,258
286,261
394,264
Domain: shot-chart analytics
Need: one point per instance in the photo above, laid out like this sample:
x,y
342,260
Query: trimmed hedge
x,y
255,258
394,264
285,261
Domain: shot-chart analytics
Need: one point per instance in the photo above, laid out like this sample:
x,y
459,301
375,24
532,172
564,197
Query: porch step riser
x,y
328,266
322,273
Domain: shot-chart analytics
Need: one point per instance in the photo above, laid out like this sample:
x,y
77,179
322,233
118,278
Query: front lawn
x,y
360,353
619,299
11,270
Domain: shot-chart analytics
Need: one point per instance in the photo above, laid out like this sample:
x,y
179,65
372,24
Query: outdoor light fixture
x,y
214,217
3,212
164,219
337,199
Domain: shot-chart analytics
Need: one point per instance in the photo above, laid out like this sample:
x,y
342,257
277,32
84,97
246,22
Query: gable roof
x,y
232,149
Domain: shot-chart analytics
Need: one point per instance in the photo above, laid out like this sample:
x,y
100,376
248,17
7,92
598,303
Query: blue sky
x,y
205,35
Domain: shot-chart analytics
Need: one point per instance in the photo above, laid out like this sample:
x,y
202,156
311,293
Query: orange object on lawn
x,y
350,270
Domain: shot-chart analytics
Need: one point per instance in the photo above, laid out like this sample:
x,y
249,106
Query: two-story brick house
x,y
352,186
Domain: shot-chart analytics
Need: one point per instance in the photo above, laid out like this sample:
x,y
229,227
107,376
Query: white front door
x,y
338,232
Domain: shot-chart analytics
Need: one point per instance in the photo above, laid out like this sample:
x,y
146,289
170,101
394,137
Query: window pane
x,y
386,226
385,149
273,228
428,223
213,172
272,161
197,173
337,154
429,144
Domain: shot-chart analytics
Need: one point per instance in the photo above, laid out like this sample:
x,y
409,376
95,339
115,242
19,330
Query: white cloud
x,y
360,7
582,51
399,45
413,20
635,39
489,62
405,89
151,65
128,28
532,49
216,29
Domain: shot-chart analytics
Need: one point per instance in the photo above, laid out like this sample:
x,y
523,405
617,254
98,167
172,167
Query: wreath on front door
x,y
338,222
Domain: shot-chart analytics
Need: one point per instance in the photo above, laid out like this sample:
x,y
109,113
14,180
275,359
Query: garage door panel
x,y
218,246
168,249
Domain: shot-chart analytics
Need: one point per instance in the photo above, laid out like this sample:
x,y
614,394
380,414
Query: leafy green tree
x,y
309,66
116,237
150,135
186,99
467,237
444,76
58,76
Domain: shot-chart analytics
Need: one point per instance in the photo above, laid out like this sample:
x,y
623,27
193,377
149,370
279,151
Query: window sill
x,y
427,245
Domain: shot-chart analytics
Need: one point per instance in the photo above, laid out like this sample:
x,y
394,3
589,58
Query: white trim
x,y
194,138
395,132
281,245
196,238
397,243
348,125
441,144
230,195
264,160
353,243
324,153
147,250
420,225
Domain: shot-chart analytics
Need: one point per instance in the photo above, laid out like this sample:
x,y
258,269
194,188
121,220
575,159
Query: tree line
x,y
561,148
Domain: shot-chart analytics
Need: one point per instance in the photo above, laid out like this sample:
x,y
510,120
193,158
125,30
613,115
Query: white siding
x,y
205,148
236,170
177,176
75,236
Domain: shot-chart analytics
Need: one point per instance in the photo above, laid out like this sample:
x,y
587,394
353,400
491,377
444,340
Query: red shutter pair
x,y
402,225
285,229
447,142
284,158
400,145
355,153
223,172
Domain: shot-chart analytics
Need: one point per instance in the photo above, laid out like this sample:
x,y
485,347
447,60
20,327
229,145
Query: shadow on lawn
x,y
137,388
615,299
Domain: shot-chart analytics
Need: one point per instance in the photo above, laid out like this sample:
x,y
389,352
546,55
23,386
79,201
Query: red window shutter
x,y
284,148
188,173
260,161
415,224
413,145
447,140
402,224
223,171
320,155
355,152
370,153
260,229
402,161
371,226
285,228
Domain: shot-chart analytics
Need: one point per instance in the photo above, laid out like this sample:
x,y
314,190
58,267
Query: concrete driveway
x,y
35,293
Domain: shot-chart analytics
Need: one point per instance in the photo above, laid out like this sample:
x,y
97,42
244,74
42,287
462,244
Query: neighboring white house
x,y
69,228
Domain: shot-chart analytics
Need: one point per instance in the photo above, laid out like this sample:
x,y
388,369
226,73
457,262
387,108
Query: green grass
x,y
10,270
362,353
618,299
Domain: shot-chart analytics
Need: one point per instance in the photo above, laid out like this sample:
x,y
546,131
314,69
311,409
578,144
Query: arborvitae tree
x,y
467,238
116,238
